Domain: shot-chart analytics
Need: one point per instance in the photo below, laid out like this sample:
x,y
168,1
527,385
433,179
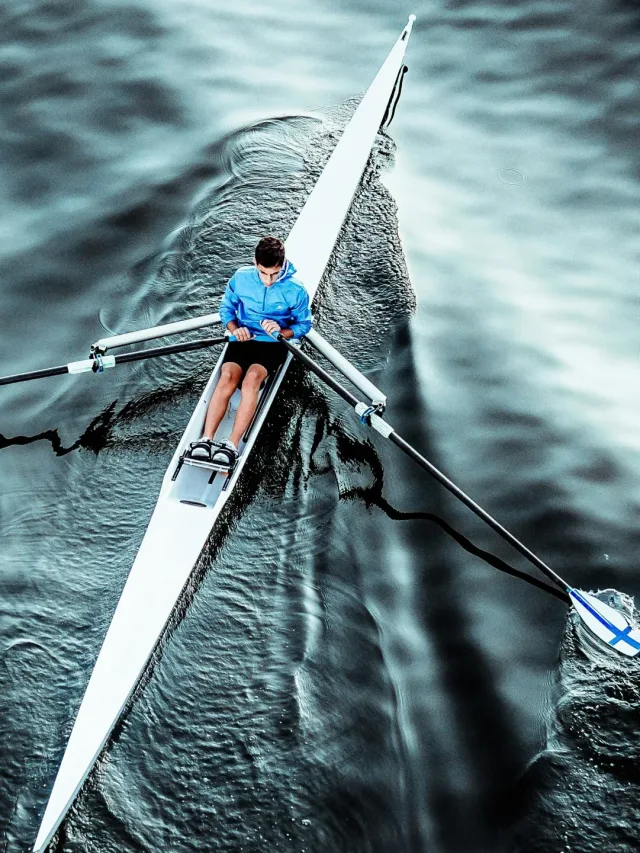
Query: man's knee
x,y
254,378
229,379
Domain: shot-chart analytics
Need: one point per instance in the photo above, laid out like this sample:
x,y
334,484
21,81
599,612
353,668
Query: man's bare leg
x,y
251,383
230,376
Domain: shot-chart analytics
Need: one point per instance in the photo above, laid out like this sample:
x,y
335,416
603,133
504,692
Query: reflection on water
x,y
340,675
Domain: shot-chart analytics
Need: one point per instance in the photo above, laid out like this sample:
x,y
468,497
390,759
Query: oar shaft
x,y
477,509
387,431
34,374
90,365
152,352
320,372
346,368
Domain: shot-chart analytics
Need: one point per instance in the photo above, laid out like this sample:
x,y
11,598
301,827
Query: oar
x,y
604,621
98,362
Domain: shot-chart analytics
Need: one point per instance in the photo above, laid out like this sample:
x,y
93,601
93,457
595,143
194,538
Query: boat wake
x,y
581,793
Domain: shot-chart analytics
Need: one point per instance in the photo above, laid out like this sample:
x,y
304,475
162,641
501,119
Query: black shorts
x,y
245,353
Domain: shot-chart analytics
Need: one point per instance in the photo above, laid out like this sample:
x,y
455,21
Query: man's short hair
x,y
270,252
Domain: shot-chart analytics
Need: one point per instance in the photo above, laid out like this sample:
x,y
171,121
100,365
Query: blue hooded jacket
x,y
248,301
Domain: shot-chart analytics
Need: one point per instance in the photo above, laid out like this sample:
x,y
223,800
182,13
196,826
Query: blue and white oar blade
x,y
607,623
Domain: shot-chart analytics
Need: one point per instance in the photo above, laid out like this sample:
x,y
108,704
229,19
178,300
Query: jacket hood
x,y
287,272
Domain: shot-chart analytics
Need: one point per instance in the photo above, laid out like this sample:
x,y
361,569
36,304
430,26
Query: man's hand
x,y
242,334
270,327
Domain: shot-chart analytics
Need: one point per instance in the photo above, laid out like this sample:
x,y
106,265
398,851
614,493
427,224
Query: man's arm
x,y
229,312
301,316
229,304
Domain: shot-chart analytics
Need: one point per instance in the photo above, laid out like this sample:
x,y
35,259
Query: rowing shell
x,y
192,496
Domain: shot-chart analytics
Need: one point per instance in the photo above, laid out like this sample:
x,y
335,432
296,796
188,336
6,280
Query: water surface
x,y
340,675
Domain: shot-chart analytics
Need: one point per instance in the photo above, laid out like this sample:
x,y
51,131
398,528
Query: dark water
x,y
341,675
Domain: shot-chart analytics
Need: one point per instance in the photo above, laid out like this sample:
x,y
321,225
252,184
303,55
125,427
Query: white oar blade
x,y
607,623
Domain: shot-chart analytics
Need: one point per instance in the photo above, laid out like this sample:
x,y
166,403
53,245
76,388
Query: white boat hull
x,y
188,506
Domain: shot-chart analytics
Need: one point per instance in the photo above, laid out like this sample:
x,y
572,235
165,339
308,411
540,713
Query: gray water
x,y
341,675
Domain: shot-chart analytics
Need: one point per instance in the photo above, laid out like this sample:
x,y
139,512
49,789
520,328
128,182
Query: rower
x,y
260,301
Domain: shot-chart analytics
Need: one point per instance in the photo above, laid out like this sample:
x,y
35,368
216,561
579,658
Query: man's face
x,y
268,274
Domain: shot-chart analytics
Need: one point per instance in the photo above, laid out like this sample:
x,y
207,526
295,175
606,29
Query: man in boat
x,y
259,302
